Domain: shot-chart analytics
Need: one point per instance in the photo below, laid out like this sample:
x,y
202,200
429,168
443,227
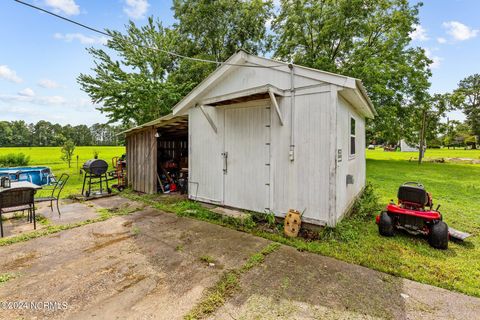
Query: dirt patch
x,y
24,260
103,244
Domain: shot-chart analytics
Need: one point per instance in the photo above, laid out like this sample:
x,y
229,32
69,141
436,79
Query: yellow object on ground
x,y
293,222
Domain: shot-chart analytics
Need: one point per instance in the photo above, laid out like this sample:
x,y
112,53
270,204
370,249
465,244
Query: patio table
x,y
21,184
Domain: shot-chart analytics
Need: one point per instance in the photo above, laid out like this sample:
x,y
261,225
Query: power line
x,y
142,46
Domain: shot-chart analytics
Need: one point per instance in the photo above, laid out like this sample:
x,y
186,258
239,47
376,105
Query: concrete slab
x,y
299,285
71,212
143,266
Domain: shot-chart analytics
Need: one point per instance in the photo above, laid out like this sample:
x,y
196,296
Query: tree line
x,y
135,80
44,133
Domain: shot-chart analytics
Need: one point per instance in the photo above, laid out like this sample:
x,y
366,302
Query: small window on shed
x,y
352,136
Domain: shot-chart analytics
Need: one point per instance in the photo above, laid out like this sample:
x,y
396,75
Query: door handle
x,y
225,162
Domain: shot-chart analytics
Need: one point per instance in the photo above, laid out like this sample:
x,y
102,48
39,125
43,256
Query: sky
x,y
41,56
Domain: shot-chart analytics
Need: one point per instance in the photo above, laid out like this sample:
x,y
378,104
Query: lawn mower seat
x,y
413,192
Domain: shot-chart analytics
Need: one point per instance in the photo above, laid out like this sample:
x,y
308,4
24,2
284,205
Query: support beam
x,y
209,119
275,104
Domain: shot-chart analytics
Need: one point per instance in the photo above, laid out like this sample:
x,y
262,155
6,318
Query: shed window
x,y
352,136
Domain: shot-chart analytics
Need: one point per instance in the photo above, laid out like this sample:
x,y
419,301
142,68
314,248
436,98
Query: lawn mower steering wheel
x,y
415,183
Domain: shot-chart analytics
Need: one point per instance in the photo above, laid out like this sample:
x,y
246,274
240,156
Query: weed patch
x,y
216,296
6,277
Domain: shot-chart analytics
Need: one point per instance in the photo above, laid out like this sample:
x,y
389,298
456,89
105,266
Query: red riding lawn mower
x,y
414,213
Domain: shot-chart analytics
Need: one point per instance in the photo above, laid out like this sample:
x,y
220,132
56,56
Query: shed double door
x,y
247,157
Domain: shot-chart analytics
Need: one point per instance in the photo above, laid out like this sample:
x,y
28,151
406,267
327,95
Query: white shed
x,y
405,147
268,136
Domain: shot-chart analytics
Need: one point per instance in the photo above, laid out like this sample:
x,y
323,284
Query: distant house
x,y
405,147
265,136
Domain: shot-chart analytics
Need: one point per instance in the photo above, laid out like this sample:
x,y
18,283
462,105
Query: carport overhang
x,y
168,123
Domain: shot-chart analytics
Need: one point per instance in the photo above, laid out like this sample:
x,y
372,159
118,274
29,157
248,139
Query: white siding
x,y
302,184
349,165
245,78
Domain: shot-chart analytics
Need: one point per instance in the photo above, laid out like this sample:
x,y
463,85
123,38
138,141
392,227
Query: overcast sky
x,y
41,56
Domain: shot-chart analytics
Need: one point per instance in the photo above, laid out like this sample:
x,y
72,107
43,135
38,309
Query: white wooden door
x,y
247,151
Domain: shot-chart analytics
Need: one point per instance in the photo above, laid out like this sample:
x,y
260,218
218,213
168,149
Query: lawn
x,y
456,187
50,157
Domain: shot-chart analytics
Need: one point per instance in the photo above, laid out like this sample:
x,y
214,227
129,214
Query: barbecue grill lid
x,y
97,166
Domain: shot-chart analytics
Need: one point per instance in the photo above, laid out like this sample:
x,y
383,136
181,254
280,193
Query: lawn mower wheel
x,y
385,225
438,236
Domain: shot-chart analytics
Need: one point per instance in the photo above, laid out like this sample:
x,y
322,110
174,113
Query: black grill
x,y
95,167
96,170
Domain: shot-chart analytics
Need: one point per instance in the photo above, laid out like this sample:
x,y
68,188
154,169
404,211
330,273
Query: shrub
x,y
67,152
366,206
363,211
14,160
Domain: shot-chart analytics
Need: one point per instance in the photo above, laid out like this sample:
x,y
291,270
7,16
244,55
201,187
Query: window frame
x,y
352,135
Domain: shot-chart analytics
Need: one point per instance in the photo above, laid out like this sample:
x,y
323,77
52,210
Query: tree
x,y
135,87
67,152
427,120
82,136
467,98
218,28
142,83
42,133
6,133
457,133
369,40
22,133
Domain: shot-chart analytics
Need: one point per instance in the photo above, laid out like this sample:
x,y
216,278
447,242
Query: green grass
x,y
6,277
429,154
50,157
229,282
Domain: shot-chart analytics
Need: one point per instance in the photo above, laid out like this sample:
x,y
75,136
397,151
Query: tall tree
x,y
427,120
467,98
218,28
6,133
134,86
366,39
142,83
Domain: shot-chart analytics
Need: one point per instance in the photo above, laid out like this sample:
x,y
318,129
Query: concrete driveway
x,y
156,265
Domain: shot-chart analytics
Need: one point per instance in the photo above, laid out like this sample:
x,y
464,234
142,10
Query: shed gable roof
x,y
354,89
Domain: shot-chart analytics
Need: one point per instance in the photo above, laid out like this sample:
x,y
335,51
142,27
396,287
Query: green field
x,y
455,186
50,157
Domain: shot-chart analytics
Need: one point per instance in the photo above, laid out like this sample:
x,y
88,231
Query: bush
x,y
14,160
363,210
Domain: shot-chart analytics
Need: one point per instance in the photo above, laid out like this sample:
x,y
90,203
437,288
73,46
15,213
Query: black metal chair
x,y
18,199
58,185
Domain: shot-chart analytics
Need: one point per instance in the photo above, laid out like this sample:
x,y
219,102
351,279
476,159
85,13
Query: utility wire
x,y
142,46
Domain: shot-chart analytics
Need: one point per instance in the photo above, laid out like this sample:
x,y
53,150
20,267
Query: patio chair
x,y
17,199
58,185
